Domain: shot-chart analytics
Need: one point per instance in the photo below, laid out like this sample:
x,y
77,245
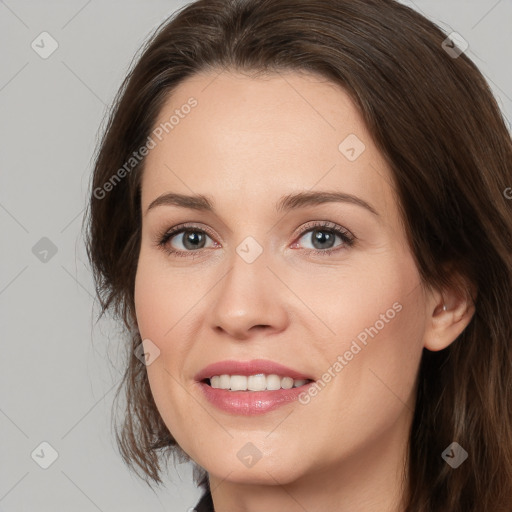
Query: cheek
x,y
158,299
401,347
161,301
374,383
394,353
378,345
143,295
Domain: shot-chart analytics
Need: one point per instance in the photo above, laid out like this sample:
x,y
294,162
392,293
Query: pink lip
x,y
250,403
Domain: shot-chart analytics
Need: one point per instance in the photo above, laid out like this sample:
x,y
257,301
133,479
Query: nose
x,y
250,300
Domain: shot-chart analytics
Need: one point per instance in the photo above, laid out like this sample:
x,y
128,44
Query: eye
x,y
191,238
323,234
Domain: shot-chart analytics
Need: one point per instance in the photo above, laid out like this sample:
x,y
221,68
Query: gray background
x,y
58,371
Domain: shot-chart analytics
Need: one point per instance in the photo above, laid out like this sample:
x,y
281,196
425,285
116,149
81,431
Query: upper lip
x,y
253,367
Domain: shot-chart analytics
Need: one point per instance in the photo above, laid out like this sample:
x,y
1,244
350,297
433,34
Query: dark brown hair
x,y
436,122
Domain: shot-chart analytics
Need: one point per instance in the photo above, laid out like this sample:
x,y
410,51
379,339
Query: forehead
x,y
252,138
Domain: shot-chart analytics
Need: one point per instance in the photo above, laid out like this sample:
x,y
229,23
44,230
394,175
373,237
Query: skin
x,y
248,142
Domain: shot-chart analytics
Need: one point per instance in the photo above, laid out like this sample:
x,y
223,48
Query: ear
x,y
448,313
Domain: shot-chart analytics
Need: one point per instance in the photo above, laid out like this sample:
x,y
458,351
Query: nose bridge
x,y
248,294
243,287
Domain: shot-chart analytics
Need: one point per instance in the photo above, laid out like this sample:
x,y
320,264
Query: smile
x,y
259,382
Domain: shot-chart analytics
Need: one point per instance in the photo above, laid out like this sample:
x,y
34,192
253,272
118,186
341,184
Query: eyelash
x,y
347,237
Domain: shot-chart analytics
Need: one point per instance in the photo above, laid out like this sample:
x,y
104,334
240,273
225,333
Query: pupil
x,y
194,237
323,237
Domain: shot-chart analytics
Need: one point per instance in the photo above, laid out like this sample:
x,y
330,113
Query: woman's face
x,y
262,278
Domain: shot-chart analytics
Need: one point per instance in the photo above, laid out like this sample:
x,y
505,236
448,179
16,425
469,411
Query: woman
x,y
299,210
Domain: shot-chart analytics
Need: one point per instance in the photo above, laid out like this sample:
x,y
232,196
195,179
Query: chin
x,y
279,468
256,476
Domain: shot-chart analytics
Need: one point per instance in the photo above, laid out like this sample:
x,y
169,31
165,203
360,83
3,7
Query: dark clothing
x,y
205,504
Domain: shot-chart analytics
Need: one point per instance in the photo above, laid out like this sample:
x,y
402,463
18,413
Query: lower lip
x,y
251,403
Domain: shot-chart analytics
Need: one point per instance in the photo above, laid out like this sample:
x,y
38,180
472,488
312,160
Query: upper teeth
x,y
258,382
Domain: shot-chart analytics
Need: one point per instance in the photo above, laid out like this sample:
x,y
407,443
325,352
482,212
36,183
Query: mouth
x,y
255,375
251,387
257,382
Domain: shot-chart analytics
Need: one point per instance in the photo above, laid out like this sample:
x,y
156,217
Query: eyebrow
x,y
286,203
